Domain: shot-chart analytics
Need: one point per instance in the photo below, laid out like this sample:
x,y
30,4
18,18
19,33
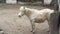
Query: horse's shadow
x,y
40,32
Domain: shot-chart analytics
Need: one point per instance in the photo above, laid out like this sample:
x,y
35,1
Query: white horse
x,y
35,16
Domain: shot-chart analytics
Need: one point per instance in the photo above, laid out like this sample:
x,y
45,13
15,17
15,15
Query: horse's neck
x,y
28,12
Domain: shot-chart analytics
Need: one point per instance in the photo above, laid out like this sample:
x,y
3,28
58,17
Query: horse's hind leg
x,y
48,24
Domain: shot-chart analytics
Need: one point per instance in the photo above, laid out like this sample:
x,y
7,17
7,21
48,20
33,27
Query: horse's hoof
x,y
33,32
1,32
47,30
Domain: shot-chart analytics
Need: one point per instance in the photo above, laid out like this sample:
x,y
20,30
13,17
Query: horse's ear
x,y
22,7
52,11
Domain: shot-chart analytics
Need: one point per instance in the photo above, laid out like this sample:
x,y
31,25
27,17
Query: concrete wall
x,y
11,1
47,1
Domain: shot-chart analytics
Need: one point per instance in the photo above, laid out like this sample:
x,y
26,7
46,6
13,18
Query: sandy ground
x,y
10,23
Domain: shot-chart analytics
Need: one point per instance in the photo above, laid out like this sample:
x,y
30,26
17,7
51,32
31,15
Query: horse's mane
x,y
23,8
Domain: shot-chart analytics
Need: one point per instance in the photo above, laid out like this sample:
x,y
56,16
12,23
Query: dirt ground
x,y
10,23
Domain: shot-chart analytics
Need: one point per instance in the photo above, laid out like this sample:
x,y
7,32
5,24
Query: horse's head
x,y
22,10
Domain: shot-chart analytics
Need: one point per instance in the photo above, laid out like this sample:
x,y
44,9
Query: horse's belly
x,y
39,21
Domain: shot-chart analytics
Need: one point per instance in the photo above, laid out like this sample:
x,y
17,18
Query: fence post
x,y
54,23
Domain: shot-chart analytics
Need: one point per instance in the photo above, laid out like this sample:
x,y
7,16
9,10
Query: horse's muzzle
x,y
19,16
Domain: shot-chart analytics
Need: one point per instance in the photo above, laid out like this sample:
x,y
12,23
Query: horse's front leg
x,y
33,27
